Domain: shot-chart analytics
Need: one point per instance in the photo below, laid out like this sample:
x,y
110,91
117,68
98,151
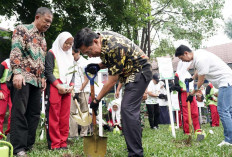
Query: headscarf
x,y
182,71
161,84
63,58
115,114
8,63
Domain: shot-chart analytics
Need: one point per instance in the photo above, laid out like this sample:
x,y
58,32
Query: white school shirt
x,y
214,69
154,88
79,75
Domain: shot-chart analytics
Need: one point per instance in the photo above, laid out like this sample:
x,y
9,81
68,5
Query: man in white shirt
x,y
82,90
212,68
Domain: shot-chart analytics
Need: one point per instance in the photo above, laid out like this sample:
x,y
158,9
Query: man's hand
x,y
161,96
116,94
76,96
92,68
189,98
94,105
188,79
2,96
144,96
44,84
176,88
18,81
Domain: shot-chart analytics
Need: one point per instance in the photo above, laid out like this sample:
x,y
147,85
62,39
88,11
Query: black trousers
x,y
25,116
130,111
153,114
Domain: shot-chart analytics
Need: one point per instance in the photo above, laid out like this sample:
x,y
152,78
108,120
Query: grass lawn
x,y
158,143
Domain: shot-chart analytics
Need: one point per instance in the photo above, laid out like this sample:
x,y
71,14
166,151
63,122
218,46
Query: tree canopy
x,y
152,24
228,28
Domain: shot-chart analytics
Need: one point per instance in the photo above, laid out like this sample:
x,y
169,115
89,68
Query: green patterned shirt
x,y
28,52
121,56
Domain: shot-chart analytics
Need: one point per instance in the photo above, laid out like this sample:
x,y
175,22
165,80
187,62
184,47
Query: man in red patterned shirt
x,y
27,59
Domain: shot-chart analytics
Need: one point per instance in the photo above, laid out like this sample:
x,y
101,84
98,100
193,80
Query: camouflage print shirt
x,y
121,56
28,52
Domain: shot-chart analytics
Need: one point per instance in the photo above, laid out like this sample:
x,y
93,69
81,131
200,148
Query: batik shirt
x,y
121,56
28,52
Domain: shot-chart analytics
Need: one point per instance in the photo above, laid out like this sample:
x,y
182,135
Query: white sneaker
x,y
223,143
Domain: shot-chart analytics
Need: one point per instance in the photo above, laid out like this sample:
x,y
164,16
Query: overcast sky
x,y
219,38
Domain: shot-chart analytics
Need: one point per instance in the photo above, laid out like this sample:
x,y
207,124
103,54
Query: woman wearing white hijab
x,y
180,76
115,113
58,93
163,105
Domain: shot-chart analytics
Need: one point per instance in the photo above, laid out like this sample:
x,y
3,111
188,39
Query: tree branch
x,y
159,11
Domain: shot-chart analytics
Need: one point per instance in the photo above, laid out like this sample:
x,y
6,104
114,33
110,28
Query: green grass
x,y
156,143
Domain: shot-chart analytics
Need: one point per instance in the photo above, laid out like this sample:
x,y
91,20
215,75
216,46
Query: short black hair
x,y
156,77
43,10
74,49
85,37
181,49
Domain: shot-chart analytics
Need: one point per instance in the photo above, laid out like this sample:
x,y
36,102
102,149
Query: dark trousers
x,y
153,114
130,112
164,117
25,116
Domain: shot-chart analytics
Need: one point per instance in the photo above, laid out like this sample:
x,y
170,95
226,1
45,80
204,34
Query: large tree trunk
x,y
149,38
135,35
145,43
143,38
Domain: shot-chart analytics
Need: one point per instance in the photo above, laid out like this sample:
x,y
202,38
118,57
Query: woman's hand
x,y
61,89
69,90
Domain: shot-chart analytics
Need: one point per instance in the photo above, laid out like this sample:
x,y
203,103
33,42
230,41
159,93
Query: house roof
x,y
223,51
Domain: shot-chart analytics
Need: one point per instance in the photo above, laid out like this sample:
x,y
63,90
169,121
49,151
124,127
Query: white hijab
x,y
63,58
162,90
182,71
115,114
8,63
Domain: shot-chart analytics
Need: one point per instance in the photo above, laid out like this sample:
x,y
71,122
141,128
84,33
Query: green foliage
x,y
123,16
185,20
155,143
164,48
5,45
70,15
228,28
170,20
